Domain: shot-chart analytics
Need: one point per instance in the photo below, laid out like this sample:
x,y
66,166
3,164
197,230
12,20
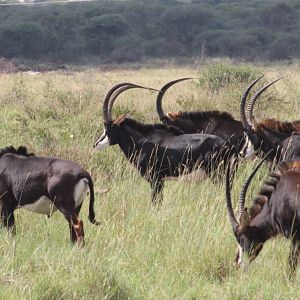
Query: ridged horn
x,y
113,92
121,90
232,219
161,93
246,184
245,122
106,116
255,96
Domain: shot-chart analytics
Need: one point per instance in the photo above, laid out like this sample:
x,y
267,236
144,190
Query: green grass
x,y
184,250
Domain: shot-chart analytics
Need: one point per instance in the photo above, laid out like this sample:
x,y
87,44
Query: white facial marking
x,y
240,261
80,191
42,205
102,142
248,151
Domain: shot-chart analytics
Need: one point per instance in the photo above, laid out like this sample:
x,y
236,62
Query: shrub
x,y
217,76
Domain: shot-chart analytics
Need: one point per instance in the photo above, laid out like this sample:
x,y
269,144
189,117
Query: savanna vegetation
x,y
115,31
184,250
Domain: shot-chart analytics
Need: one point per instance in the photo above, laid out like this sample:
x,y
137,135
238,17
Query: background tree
x,y
180,26
119,31
24,39
101,31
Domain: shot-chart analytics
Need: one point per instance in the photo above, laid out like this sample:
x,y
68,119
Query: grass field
x,y
186,249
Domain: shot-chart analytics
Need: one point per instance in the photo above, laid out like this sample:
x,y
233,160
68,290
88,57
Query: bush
x,y
216,76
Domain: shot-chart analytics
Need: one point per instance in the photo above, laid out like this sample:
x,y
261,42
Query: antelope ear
x,y
120,119
172,115
244,220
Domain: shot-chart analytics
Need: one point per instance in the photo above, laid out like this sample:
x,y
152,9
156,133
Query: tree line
x,y
137,30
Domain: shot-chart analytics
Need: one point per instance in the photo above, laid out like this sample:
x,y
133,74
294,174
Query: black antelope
x,y
266,136
44,185
159,151
275,211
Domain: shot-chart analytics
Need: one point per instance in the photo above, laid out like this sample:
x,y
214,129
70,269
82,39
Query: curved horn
x,y
106,115
246,184
115,95
121,90
161,94
232,219
255,96
108,102
244,120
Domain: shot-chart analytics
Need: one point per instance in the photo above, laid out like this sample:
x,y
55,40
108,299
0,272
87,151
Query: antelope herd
x,y
185,141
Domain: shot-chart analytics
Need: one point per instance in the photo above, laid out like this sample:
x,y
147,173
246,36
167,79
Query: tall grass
x,y
184,250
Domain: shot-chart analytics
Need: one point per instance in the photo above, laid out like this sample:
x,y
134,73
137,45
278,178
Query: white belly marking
x,y
44,205
41,206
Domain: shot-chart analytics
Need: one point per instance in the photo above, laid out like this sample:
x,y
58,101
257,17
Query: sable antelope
x,y
275,210
213,122
159,151
44,185
267,135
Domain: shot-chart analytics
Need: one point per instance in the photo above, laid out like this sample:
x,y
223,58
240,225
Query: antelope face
x,y
251,147
110,136
248,246
102,142
248,238
247,151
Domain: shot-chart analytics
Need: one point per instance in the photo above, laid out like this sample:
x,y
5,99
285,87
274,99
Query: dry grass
x,y
183,251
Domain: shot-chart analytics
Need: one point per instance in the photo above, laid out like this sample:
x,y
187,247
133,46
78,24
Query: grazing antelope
x,y
213,122
266,136
44,185
275,211
159,151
